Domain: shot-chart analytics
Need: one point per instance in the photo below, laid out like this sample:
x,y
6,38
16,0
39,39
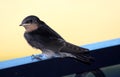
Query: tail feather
x,y
81,54
83,58
71,48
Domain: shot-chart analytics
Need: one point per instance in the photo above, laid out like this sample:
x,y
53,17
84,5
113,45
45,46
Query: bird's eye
x,y
29,21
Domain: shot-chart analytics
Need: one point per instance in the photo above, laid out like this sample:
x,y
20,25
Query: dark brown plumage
x,y
39,35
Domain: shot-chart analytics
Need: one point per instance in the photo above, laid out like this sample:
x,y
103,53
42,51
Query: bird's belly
x,y
64,54
50,54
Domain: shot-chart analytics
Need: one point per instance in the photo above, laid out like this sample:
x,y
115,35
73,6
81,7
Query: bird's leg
x,y
37,57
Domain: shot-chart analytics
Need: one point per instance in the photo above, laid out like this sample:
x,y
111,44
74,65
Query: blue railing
x,y
106,53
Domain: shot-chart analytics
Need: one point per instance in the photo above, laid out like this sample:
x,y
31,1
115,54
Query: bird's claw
x,y
37,57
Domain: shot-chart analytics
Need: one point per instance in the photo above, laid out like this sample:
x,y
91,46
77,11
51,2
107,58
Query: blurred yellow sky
x,y
78,21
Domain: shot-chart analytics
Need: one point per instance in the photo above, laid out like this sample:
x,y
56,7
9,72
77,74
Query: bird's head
x,y
31,23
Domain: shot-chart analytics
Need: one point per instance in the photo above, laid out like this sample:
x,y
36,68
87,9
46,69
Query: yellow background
x,y
78,21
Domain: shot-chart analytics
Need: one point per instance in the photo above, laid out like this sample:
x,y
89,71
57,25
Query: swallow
x,y
40,36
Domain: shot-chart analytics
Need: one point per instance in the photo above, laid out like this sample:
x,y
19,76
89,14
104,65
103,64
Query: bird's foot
x,y
36,57
39,57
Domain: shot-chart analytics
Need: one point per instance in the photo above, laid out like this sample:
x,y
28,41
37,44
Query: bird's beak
x,y
24,24
20,25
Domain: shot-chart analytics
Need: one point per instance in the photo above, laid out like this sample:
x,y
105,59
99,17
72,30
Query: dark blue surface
x,y
106,54
26,60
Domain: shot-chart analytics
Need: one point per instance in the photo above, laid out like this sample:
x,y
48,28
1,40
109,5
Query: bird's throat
x,y
31,27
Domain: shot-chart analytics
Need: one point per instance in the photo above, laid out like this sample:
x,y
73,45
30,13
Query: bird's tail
x,y
80,53
85,58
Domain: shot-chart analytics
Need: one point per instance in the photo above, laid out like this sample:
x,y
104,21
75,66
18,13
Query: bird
x,y
40,36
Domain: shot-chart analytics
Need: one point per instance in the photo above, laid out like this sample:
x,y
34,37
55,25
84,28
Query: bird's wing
x,y
71,48
56,45
81,54
50,32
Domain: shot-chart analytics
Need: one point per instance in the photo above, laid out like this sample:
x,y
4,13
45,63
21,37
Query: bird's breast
x,y
35,41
